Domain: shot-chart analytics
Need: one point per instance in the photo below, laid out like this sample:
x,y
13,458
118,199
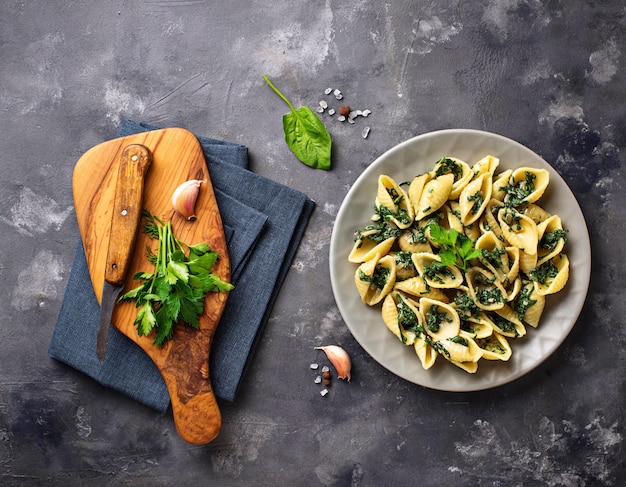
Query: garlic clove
x,y
340,360
185,196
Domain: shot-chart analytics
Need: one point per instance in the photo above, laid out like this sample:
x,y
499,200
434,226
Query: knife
x,y
127,209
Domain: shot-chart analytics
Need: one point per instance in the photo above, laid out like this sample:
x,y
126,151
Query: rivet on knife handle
x,y
126,215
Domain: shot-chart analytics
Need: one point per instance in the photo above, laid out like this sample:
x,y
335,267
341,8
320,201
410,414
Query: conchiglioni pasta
x,y
459,169
434,195
460,259
474,198
393,203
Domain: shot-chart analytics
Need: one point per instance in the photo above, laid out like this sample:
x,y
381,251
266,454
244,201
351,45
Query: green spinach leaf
x,y
305,134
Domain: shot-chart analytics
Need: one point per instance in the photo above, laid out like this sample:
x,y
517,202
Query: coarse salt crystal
x,y
319,110
323,392
318,379
314,366
365,133
353,114
341,118
331,111
366,112
350,120
328,91
337,92
325,369
323,104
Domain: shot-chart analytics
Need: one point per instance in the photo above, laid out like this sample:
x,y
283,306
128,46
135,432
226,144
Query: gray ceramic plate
x,y
416,156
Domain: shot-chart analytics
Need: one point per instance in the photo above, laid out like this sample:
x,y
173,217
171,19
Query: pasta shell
x,y
363,276
495,347
435,274
487,165
529,305
454,217
392,201
488,221
469,367
527,262
441,319
460,349
472,231
474,198
462,301
405,268
535,212
374,279
366,247
388,192
415,286
493,254
500,183
402,317
438,217
434,195
513,254
518,230
489,242
414,240
486,291
526,185
557,275
477,326
416,187
552,239
506,322
513,290
425,352
459,169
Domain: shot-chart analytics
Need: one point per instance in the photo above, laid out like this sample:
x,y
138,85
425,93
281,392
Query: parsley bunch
x,y
176,289
456,248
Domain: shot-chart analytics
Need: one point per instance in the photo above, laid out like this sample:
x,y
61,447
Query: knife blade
x,y
127,208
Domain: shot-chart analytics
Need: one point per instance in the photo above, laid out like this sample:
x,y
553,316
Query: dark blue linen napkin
x,y
264,223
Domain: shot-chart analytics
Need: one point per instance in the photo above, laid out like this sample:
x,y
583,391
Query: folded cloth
x,y
264,222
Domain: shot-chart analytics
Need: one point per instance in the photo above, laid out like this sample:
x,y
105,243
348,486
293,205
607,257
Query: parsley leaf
x,y
175,291
146,319
456,248
448,257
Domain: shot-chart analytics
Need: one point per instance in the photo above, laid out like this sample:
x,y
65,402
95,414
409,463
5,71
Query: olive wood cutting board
x,y
184,360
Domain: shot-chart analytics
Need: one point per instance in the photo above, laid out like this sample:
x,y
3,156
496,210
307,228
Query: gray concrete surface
x,y
551,75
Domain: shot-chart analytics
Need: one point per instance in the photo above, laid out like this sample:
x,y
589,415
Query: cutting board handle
x,y
186,373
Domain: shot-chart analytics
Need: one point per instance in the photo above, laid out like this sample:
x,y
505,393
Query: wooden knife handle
x,y
127,209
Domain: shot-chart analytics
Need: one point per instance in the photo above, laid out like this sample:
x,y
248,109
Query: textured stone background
x,y
549,74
